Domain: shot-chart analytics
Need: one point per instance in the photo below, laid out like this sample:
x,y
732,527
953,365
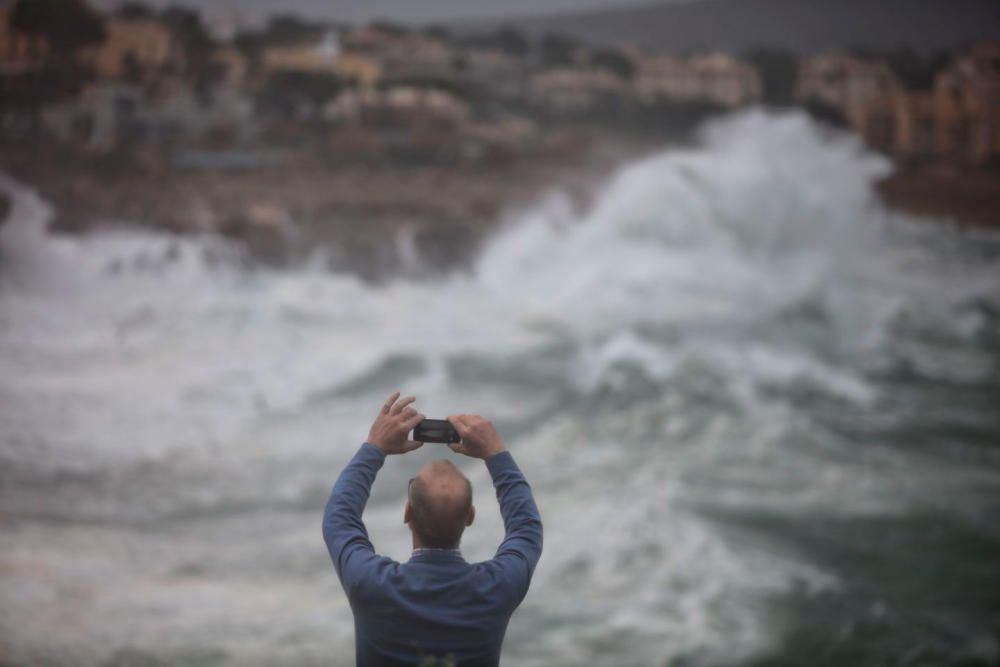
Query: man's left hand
x,y
395,420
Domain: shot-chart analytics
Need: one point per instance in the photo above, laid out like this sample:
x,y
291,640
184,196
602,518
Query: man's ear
x,y
472,515
408,514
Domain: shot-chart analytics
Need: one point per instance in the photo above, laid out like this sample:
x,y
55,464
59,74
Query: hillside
x,y
802,26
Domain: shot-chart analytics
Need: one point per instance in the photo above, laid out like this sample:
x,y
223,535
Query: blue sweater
x,y
435,609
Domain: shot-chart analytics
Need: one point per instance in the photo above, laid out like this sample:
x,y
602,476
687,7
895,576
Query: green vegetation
x,y
67,25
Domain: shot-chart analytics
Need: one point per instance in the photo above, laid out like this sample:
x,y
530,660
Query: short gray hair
x,y
438,525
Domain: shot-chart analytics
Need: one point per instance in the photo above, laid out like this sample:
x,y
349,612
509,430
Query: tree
x,y
390,27
614,61
186,27
285,29
438,32
825,112
511,41
558,50
778,72
67,25
284,92
251,44
915,71
136,10
506,38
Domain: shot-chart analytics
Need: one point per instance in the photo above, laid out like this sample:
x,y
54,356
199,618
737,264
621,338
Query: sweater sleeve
x,y
343,530
522,544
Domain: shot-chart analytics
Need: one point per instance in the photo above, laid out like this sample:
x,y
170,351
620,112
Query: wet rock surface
x,y
963,194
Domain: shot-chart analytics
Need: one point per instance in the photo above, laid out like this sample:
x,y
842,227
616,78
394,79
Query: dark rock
x,y
267,230
374,217
965,194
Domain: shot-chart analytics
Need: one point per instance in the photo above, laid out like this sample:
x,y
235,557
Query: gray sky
x,y
419,11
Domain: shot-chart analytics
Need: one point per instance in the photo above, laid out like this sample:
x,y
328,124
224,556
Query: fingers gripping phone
x,y
436,430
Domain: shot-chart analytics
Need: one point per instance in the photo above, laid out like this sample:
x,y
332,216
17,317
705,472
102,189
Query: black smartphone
x,y
435,430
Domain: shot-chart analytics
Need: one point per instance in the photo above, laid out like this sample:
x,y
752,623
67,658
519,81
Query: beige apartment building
x,y
713,78
145,44
324,55
575,90
959,119
399,106
845,83
414,57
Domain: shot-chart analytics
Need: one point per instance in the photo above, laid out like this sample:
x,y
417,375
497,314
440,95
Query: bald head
x,y
440,505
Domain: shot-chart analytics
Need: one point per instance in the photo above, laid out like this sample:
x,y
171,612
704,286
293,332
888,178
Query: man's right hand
x,y
393,422
480,439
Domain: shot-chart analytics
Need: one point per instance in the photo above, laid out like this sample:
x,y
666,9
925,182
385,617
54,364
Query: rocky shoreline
x,y
368,214
964,195
360,210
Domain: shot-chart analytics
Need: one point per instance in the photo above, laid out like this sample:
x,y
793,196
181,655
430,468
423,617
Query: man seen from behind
x,y
436,608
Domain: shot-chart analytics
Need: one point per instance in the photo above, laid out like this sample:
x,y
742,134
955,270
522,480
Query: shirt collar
x,y
436,554
425,550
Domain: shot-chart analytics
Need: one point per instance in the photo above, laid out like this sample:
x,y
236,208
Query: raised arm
x,y
343,530
522,544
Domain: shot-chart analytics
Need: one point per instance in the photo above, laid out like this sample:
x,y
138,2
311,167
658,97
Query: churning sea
x,y
760,413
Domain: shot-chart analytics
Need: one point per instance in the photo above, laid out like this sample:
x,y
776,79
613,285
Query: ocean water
x,y
761,415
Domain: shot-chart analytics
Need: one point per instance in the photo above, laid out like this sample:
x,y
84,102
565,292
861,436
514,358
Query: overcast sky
x,y
414,11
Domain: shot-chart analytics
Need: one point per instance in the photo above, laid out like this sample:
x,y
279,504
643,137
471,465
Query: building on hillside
x,y
111,114
959,119
714,78
971,87
725,81
967,105
313,55
575,90
101,118
416,58
404,58
359,71
132,48
404,106
223,116
973,79
844,83
493,71
323,56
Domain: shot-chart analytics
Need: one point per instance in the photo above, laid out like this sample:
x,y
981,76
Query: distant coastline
x,y
360,211
382,142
